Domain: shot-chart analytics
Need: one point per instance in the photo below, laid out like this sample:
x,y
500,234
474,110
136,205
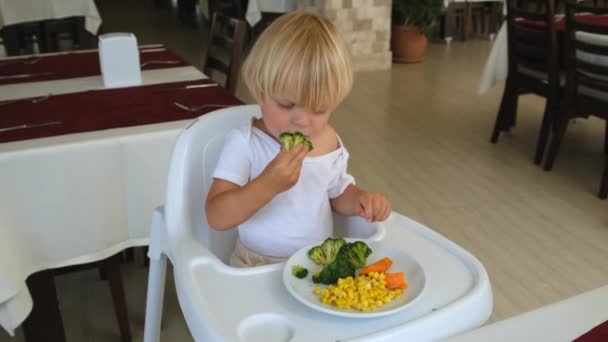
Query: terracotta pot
x,y
408,44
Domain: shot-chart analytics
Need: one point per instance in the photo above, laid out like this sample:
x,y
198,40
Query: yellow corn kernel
x,y
363,293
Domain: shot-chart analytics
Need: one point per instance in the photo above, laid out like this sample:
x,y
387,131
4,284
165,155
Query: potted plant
x,y
413,21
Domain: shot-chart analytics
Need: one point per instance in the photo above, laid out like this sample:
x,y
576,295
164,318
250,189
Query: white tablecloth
x,y
77,198
561,321
21,11
256,7
497,64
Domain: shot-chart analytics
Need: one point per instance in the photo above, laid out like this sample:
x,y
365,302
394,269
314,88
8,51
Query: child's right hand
x,y
283,171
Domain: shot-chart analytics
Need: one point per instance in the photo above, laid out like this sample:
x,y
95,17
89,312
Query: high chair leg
x,y
156,278
154,299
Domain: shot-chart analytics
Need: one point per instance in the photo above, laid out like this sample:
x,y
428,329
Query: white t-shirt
x,y
294,218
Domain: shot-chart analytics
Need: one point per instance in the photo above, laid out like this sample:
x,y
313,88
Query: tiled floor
x,y
419,133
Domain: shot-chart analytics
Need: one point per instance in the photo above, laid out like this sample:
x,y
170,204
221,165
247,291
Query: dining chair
x,y
230,8
533,66
586,78
225,50
455,21
496,16
72,29
255,32
23,38
478,19
109,269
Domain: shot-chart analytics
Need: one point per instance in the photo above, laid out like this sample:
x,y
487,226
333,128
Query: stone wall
x,y
365,25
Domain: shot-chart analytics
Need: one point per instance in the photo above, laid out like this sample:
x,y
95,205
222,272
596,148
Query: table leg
x,y
44,322
449,26
468,21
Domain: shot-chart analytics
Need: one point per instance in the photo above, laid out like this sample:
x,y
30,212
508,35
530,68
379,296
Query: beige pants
x,y
245,257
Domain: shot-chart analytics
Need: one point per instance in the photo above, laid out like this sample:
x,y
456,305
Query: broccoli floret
x,y
351,257
308,145
339,268
356,253
287,140
326,252
298,138
316,254
299,271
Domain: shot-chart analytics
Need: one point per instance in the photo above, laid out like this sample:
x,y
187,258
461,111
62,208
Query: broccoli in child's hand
x,y
299,271
326,252
308,145
298,138
351,257
289,140
286,139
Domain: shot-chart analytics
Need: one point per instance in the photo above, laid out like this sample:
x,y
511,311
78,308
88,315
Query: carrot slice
x,y
395,281
379,266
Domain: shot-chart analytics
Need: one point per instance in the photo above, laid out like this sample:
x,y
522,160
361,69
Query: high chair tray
x,y
222,303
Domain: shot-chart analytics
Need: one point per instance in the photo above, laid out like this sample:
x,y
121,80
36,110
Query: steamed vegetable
x,y
395,281
364,293
351,257
356,253
379,266
289,140
326,252
339,268
299,271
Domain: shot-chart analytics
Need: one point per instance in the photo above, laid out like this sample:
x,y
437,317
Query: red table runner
x,y
597,334
110,108
76,64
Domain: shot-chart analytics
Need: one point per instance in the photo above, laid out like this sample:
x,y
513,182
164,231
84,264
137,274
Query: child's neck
x,y
259,124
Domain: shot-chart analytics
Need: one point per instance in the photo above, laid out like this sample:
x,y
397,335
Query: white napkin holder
x,y
119,60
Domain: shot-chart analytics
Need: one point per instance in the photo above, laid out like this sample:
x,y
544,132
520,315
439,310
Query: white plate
x,y
302,289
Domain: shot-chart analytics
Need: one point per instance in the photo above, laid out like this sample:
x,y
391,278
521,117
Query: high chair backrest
x,y
195,154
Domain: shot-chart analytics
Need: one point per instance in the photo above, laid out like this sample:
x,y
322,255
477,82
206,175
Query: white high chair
x,y
222,303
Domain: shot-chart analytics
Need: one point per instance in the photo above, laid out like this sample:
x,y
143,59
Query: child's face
x,y
282,115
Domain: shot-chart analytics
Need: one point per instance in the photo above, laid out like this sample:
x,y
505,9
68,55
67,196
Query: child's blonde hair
x,y
303,52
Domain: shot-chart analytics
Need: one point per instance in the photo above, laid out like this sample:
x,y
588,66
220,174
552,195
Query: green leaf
x,y
423,14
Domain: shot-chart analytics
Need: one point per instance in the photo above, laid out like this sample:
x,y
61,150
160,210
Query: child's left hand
x,y
373,206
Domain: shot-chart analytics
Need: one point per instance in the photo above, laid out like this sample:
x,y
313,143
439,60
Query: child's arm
x,y
372,206
229,205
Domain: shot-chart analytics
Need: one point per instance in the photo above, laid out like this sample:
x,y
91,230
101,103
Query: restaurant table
x,y
565,320
497,64
22,11
84,189
253,12
256,7
450,20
